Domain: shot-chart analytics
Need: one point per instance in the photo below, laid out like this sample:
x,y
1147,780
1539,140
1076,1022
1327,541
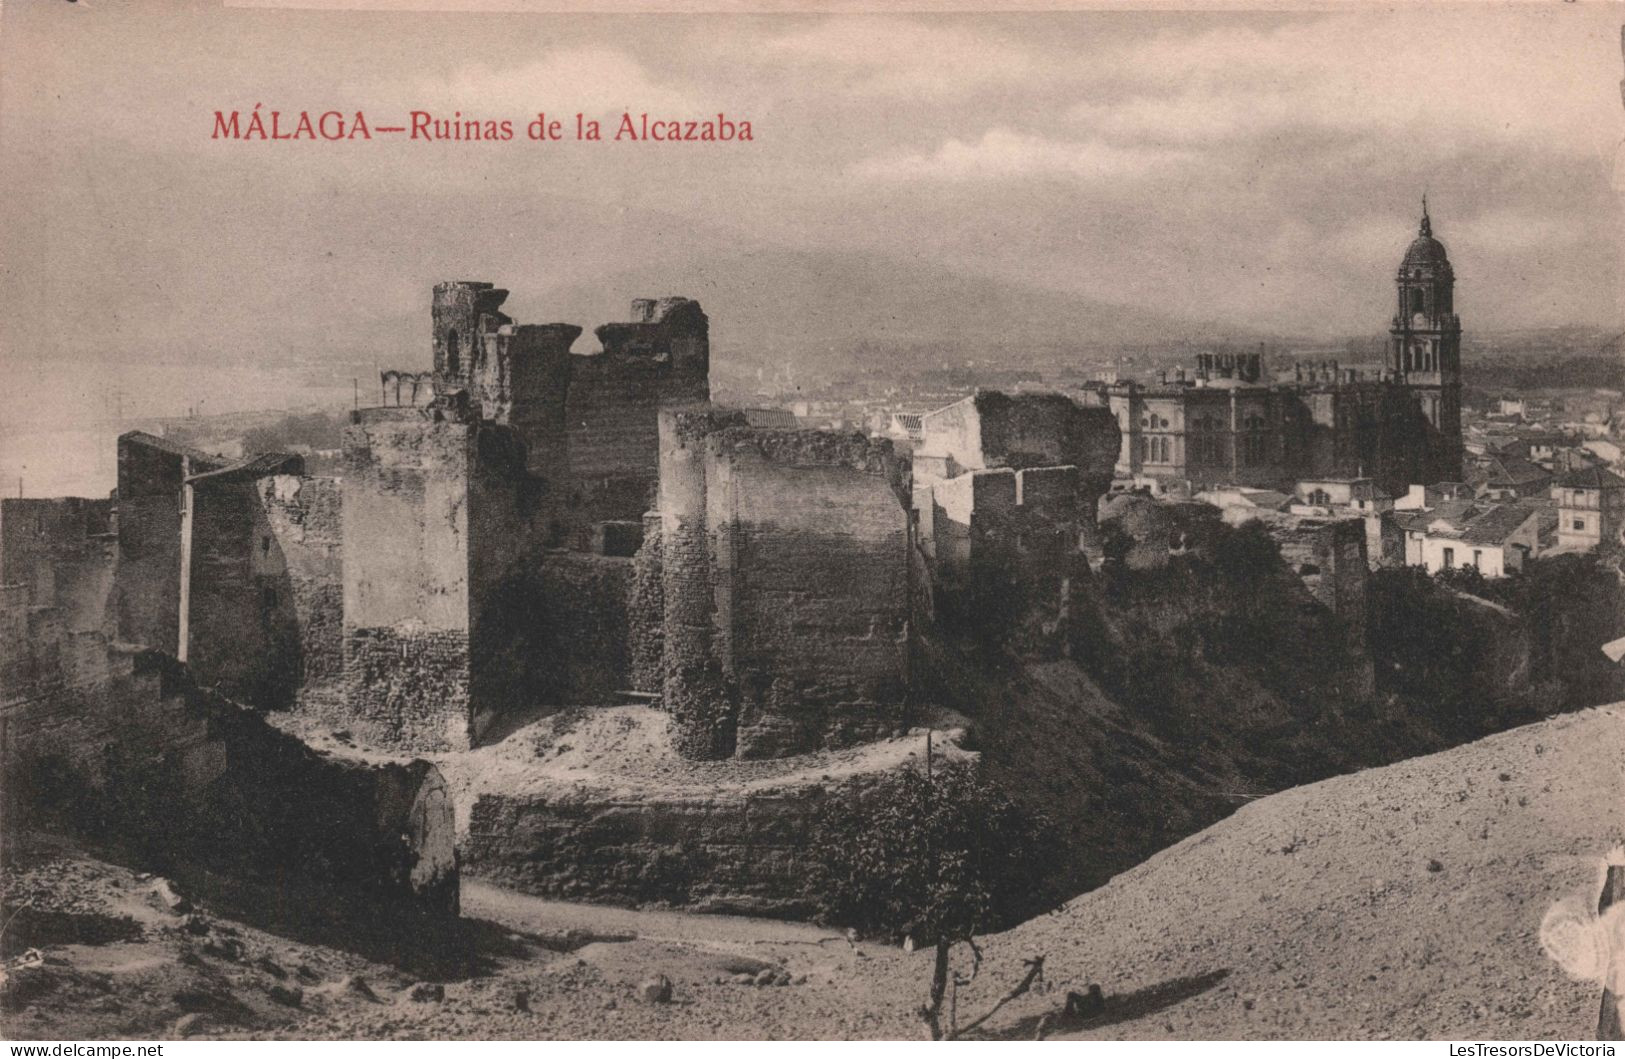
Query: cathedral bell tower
x,y
1424,347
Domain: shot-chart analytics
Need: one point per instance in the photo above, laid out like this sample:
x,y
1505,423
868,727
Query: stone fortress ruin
x,y
525,531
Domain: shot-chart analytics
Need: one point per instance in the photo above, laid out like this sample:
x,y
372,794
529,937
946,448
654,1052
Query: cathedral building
x,y
1227,423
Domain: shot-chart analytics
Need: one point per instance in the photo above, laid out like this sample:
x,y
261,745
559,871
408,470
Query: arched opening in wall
x,y
1416,299
454,364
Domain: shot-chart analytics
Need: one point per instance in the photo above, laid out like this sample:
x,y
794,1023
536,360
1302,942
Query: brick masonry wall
x,y
614,443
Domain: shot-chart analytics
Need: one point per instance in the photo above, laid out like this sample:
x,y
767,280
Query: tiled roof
x,y
1508,470
772,418
1591,478
1497,524
253,467
174,448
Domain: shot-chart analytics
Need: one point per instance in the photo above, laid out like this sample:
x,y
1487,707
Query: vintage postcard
x,y
534,521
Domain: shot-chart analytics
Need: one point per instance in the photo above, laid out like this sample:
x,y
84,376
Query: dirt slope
x,y
1399,902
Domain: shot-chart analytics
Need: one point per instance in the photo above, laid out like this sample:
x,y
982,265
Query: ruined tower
x,y
1424,347
464,312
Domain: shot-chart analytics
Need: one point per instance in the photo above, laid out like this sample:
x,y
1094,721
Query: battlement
x,y
673,329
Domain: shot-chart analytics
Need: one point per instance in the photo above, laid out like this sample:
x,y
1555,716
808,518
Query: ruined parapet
x,y
1384,540
671,329
152,472
405,389
464,311
660,358
994,429
1007,488
972,519
785,582
1330,556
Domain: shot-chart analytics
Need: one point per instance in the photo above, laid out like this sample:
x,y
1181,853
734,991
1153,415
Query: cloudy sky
x,y
1261,169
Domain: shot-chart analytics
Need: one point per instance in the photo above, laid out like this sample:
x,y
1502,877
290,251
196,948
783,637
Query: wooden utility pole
x,y
1609,1026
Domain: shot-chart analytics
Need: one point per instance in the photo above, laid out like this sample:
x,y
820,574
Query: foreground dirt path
x,y
522,912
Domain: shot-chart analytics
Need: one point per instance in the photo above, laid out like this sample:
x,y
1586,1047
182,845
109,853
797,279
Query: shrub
x,y
937,858
944,856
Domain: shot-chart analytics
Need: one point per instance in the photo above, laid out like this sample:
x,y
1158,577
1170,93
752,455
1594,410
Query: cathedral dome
x,y
1426,253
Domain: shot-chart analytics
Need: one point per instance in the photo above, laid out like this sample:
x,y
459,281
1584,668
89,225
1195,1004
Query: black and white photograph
x,y
780,520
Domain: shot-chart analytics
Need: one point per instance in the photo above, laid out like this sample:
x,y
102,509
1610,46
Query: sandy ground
x,y
1401,902
1398,902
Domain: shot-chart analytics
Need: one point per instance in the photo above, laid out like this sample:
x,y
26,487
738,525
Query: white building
x,y
1494,540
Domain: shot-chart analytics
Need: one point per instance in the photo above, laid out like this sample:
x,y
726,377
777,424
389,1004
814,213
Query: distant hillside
x,y
827,309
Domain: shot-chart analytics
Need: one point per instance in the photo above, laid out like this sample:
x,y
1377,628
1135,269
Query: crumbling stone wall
x,y
1329,554
588,420
583,631
692,685
995,429
1007,487
646,611
531,365
151,477
785,585
138,755
239,630
738,854
506,608
440,602
737,849
305,517
812,595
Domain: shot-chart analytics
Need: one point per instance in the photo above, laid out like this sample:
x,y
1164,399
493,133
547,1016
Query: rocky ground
x,y
1398,902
